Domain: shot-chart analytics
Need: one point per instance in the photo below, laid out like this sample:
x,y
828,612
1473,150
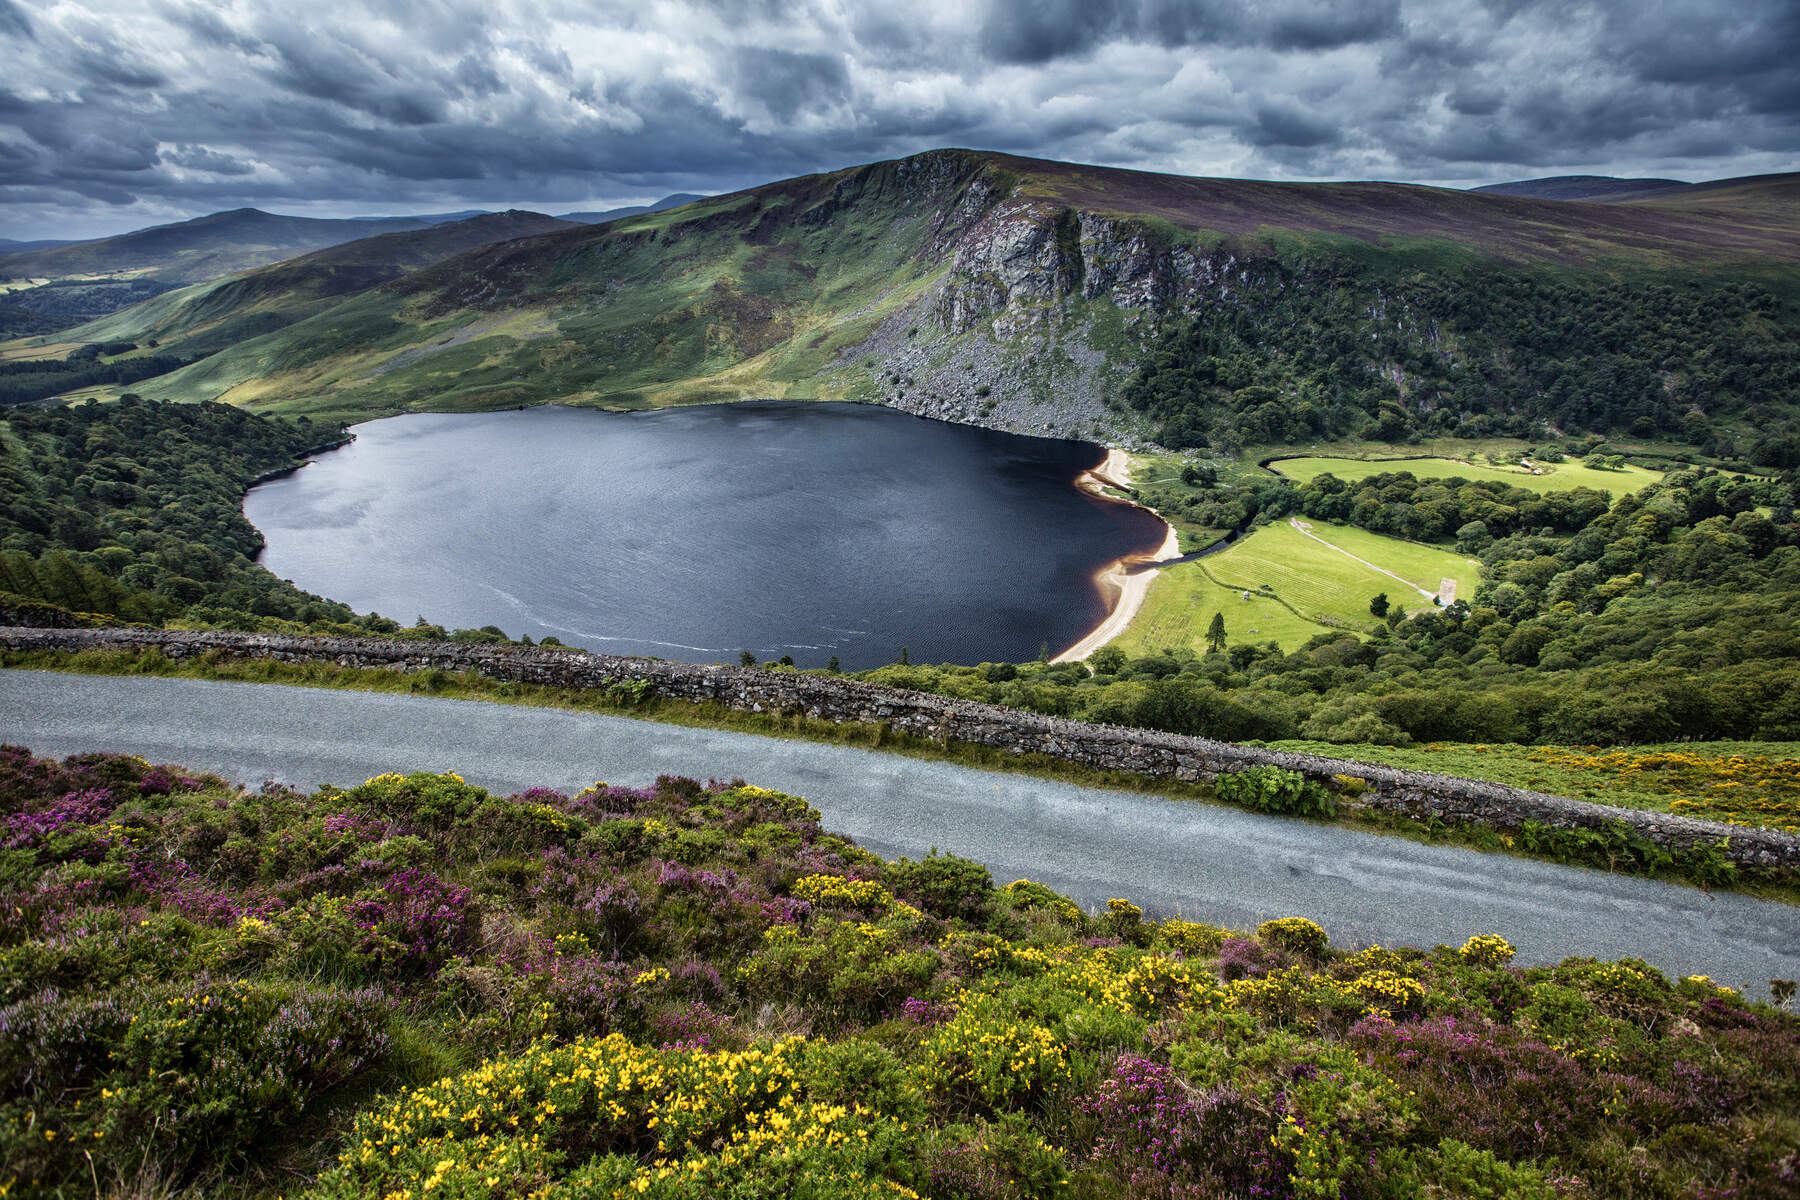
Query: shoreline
x,y
1127,586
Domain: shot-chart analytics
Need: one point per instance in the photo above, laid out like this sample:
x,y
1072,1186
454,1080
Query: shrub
x,y
421,798
842,970
605,1117
1487,950
943,885
1294,935
989,1057
1275,790
1028,895
1491,1086
1123,920
836,891
204,1070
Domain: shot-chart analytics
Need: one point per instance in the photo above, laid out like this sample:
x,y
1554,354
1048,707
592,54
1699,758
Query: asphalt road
x,y
1215,864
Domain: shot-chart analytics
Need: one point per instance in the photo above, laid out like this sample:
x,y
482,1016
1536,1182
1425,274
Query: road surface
x,y
1210,863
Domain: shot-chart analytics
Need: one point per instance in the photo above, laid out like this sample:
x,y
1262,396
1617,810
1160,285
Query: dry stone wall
x,y
1415,794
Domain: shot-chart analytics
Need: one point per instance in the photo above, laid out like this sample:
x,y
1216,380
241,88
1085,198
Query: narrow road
x,y
1215,864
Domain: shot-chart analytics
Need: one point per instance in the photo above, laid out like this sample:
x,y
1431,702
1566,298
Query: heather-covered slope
x,y
414,988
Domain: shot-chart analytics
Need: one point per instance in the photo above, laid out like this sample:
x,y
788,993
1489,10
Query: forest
x,y
1324,349
135,509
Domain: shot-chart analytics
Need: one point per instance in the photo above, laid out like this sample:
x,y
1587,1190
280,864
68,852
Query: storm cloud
x,y
117,113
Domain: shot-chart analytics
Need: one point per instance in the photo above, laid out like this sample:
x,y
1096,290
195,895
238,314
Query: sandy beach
x,y
1127,579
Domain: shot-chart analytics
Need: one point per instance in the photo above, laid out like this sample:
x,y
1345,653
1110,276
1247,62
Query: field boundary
x,y
1415,795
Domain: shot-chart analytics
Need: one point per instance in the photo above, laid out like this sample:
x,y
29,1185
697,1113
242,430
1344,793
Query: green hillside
x,y
1052,297
220,313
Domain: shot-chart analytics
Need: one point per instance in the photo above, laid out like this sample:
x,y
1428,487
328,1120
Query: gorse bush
x,y
415,988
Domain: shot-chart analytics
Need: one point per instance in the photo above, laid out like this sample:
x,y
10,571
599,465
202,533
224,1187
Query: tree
x,y
1378,607
1107,660
1215,633
745,658
832,665
905,659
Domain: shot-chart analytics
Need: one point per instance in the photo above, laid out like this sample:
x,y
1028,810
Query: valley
x,y
1000,601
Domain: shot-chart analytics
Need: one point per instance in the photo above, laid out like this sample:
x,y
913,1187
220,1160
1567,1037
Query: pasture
x,y
1549,477
1298,586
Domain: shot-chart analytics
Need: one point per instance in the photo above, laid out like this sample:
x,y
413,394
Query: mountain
x,y
9,246
1025,294
632,210
434,218
1580,187
72,282
219,313
203,248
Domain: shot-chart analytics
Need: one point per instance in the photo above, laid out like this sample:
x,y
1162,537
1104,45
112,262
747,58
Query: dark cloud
x,y
1278,125
114,114
13,21
1047,29
1327,24
787,83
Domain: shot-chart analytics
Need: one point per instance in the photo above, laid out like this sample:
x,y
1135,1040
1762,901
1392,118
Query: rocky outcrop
x,y
1416,795
1041,313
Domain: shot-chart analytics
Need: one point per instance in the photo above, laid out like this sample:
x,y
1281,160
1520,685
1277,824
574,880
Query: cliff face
x,y
1041,313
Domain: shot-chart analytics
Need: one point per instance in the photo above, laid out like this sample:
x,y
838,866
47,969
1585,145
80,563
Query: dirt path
x,y
1305,530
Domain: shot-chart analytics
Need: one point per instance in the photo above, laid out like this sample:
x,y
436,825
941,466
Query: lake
x,y
800,529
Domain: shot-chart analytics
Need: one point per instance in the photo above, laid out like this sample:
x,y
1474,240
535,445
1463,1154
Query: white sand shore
x,y
1120,580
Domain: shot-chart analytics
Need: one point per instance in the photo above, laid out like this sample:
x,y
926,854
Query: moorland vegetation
x,y
415,988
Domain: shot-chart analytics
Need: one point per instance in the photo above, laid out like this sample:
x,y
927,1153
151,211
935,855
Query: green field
x,y
1552,477
1298,587
1746,783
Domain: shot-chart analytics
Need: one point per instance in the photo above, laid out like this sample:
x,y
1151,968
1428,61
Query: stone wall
x,y
1414,794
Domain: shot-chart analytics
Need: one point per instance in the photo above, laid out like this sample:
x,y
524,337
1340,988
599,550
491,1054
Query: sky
x,y
116,114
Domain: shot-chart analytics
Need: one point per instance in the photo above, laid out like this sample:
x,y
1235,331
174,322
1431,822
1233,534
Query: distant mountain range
x,y
65,282
9,246
1742,194
218,313
632,210
192,251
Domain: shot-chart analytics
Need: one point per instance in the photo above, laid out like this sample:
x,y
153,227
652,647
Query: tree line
x,y
1328,349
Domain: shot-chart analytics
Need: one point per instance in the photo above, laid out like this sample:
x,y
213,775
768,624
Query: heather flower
x,y
85,807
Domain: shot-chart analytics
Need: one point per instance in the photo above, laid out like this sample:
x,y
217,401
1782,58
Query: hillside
x,y
219,313
70,282
1580,187
631,210
1021,294
203,248
413,987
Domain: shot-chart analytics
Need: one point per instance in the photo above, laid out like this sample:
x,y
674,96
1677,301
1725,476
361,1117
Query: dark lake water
x,y
808,530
